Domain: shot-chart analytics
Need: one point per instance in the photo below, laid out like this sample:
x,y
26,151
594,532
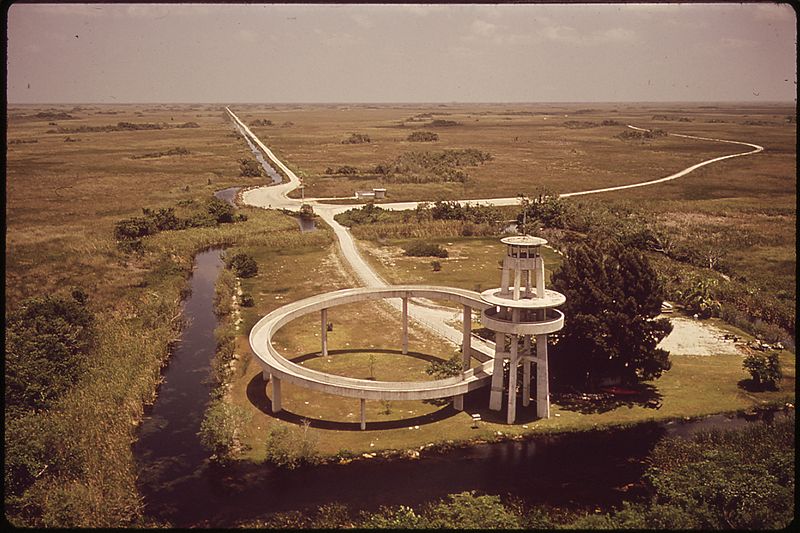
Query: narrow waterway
x,y
181,487
168,450
259,155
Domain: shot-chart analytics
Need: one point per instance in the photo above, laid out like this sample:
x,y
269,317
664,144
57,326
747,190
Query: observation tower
x,y
522,314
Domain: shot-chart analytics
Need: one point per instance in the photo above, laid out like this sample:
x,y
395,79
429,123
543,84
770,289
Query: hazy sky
x,y
86,53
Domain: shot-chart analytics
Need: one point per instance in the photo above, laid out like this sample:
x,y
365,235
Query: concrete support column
x,y
526,372
466,340
527,275
324,332
542,379
540,277
517,281
458,402
363,414
504,280
265,376
276,394
512,381
405,325
496,394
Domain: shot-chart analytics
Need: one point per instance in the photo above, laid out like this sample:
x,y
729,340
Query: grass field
x,y
66,189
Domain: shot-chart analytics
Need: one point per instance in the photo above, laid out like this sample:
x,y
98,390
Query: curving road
x,y
433,317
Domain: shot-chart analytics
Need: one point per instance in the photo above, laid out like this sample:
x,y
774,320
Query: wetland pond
x,y
180,486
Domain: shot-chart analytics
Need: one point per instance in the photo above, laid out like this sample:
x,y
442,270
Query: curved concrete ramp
x,y
277,366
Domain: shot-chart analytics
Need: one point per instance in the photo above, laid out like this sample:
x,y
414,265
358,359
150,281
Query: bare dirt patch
x,y
695,337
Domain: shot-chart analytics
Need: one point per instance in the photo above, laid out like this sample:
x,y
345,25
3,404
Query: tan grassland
x,y
64,197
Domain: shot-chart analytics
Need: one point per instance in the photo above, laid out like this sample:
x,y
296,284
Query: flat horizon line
x,y
547,102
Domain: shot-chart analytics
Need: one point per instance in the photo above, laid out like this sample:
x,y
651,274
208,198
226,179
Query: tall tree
x,y
613,295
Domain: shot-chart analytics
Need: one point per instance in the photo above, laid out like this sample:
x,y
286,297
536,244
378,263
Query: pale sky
x,y
276,53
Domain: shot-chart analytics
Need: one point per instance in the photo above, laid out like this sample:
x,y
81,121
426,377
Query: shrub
x,y
368,214
220,210
222,427
249,168
48,341
243,265
470,511
291,447
246,300
445,369
423,136
424,249
436,266
134,228
765,370
357,138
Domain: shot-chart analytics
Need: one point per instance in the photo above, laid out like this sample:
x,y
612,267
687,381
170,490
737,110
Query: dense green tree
x,y
613,295
467,510
765,370
545,209
220,210
242,264
48,340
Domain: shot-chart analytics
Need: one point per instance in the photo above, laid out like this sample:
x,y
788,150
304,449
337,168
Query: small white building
x,y
371,195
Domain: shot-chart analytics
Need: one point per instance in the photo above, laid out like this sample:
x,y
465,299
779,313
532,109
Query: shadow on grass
x,y
586,403
751,385
257,394
416,355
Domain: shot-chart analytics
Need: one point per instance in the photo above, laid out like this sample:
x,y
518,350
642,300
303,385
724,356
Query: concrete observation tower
x,y
522,310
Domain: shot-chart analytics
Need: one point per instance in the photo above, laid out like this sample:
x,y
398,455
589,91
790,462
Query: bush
x,y
469,511
436,266
134,228
445,369
423,136
765,370
357,138
243,265
246,300
291,447
424,249
222,427
220,210
368,214
48,341
250,168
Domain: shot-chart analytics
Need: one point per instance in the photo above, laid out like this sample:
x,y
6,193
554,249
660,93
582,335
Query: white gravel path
x,y
688,337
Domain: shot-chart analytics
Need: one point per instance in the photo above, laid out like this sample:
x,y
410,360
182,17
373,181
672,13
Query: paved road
x,y
433,317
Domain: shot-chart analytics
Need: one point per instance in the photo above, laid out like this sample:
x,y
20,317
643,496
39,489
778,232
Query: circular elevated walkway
x,y
276,365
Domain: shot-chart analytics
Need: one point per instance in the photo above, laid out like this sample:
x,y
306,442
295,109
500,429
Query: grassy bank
x,y
64,199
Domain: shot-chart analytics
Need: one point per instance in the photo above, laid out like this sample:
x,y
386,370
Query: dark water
x,y
168,450
228,195
181,487
259,155
306,224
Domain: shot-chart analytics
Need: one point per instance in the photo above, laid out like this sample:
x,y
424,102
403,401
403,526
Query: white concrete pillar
x,y
540,277
324,331
496,393
466,339
265,375
512,380
363,414
517,280
276,394
458,402
542,379
526,372
527,275
405,325
504,279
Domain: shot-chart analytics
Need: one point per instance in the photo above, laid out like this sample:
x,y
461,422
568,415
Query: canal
x,y
182,487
